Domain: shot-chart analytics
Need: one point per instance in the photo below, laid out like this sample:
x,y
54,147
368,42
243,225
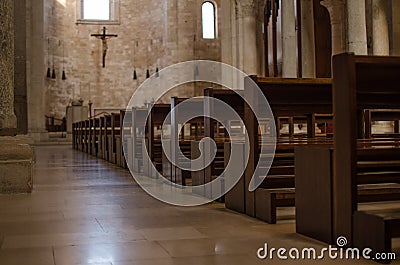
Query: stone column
x,y
307,39
36,71
249,51
396,27
16,157
289,40
349,29
337,15
380,28
356,27
8,120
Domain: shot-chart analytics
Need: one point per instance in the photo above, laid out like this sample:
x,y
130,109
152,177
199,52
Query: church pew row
x,y
214,130
278,190
360,83
264,197
155,120
237,103
136,140
169,171
287,97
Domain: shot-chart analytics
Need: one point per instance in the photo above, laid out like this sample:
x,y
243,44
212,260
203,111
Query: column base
x,y
16,165
39,136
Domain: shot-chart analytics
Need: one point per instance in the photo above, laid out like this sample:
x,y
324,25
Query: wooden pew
x,y
171,172
278,189
360,83
377,171
212,129
90,136
155,121
119,151
102,148
289,97
95,136
81,125
75,135
114,131
138,139
106,132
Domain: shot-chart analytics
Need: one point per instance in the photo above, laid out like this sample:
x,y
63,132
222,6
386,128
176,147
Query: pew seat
x,y
267,200
382,226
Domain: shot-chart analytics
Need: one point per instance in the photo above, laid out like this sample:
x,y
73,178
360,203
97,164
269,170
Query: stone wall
x,y
151,33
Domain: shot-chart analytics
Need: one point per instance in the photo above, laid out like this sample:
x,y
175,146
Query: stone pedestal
x,y
16,156
16,165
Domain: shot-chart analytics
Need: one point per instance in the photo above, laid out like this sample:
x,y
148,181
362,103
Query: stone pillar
x,y
396,27
337,15
249,51
356,27
307,39
8,120
36,71
380,28
16,157
349,29
289,40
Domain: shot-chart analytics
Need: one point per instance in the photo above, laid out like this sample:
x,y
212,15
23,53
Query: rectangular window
x,y
97,11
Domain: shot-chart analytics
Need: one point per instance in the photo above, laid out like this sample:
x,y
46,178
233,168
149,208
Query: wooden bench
x,y
119,141
287,97
171,172
215,131
136,159
377,178
360,83
382,226
95,127
155,120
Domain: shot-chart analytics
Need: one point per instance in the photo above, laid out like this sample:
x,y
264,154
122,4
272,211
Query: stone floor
x,y
86,211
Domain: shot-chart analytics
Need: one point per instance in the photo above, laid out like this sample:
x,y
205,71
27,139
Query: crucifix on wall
x,y
104,37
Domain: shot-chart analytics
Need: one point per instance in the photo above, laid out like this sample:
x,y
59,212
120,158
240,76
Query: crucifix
x,y
104,37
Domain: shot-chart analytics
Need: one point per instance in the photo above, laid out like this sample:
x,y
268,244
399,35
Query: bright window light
x,y
96,9
208,20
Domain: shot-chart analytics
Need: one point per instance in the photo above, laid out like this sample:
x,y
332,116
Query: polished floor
x,y
86,211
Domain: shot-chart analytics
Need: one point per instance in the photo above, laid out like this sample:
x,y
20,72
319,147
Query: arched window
x,y
208,20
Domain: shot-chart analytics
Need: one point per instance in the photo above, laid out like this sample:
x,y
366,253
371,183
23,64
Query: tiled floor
x,y
86,211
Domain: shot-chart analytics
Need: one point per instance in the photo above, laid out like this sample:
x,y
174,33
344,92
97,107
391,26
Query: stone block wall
x,y
151,33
